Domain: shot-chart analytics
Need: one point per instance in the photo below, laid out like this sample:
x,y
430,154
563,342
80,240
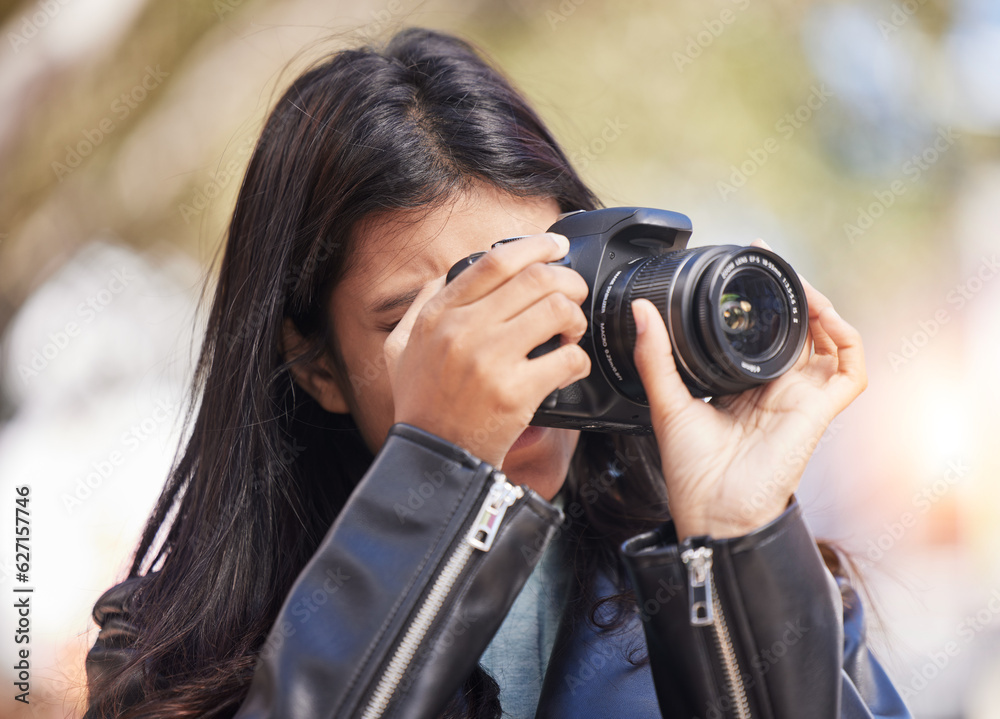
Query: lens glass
x,y
753,311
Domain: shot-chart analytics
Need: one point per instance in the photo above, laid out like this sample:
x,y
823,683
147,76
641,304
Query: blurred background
x,y
860,139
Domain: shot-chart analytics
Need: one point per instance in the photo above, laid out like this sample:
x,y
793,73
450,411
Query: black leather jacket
x,y
420,568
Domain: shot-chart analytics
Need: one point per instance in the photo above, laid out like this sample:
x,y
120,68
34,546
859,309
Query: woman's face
x,y
394,257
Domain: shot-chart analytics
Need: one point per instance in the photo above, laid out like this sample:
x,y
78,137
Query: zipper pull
x,y
501,496
699,565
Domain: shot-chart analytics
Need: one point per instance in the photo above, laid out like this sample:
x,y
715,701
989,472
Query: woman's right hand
x,y
458,359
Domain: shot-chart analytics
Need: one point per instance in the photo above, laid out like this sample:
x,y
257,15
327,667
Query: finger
x,y
554,314
531,285
817,302
400,335
761,244
850,350
655,361
502,263
557,369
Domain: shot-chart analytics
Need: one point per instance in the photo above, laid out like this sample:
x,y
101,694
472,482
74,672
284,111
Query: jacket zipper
x,y
706,611
479,537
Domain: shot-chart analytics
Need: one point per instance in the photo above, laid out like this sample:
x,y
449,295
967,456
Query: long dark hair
x,y
266,470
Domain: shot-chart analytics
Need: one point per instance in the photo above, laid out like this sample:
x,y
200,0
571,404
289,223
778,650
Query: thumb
x,y
397,340
654,359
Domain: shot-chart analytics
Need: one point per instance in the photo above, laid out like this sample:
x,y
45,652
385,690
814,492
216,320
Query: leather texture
x,y
113,648
387,552
795,645
801,652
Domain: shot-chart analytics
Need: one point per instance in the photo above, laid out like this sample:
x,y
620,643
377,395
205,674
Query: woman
x,y
372,394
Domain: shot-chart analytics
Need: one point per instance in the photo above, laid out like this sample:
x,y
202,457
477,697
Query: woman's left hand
x,y
732,467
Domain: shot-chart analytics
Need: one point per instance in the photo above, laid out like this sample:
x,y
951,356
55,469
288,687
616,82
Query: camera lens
x,y
736,318
735,312
753,315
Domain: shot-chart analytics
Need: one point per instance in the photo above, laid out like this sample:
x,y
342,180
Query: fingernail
x,y
640,320
561,242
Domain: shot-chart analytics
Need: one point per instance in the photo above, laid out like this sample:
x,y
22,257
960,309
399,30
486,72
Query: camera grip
x,y
462,265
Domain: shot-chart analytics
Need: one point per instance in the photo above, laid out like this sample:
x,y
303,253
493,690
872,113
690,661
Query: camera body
x,y
736,316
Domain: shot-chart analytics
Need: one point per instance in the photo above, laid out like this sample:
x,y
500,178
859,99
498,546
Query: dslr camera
x,y
737,316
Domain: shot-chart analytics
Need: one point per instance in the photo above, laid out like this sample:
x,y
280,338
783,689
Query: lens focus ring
x,y
653,281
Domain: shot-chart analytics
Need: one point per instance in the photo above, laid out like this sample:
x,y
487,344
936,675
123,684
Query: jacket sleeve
x,y
113,649
762,629
402,596
393,611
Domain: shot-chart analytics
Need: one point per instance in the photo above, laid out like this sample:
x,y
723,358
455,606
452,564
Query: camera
x,y
737,316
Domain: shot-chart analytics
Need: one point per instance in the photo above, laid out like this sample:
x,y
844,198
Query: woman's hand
x,y
458,362
732,467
